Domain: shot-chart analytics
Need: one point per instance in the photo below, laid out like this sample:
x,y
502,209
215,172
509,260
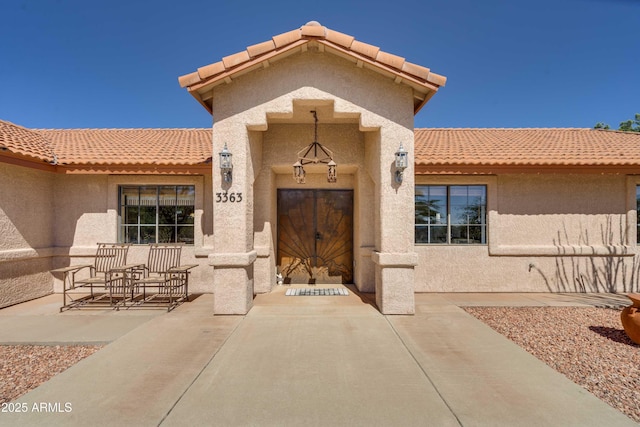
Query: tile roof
x,y
526,147
19,140
435,149
362,54
130,146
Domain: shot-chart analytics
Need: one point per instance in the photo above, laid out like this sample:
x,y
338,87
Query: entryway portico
x,y
261,101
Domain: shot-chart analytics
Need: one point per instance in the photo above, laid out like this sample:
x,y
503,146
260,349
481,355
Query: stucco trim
x,y
28,253
233,259
262,251
562,250
390,259
203,252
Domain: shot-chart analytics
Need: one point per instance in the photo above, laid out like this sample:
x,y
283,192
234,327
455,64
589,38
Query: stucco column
x,y
395,258
233,254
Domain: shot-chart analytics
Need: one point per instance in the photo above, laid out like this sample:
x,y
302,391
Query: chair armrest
x,y
126,267
73,268
181,268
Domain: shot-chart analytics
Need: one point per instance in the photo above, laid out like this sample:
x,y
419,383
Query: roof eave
x,y
427,86
19,159
135,169
494,169
198,89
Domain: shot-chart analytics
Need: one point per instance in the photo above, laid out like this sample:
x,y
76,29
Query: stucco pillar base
x,y
232,282
395,288
264,270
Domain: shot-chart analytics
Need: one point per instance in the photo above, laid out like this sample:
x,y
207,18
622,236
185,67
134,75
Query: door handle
x,y
318,236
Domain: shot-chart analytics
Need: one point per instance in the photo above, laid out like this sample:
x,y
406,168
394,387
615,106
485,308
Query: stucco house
x,y
302,175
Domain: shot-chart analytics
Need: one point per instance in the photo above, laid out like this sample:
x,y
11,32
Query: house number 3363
x,y
228,197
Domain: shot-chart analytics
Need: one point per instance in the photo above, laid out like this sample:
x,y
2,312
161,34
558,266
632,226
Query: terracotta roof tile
x,y
287,38
340,39
433,147
130,146
365,49
236,59
389,59
211,70
189,79
416,70
260,48
19,140
254,54
526,147
313,30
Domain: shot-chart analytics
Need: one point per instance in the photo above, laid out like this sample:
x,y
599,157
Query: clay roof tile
x,y
340,39
390,60
211,70
313,30
130,146
235,59
261,48
287,38
19,140
189,79
416,70
532,147
365,49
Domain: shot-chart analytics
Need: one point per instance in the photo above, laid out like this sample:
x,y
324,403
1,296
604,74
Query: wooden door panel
x,y
334,225
315,236
295,233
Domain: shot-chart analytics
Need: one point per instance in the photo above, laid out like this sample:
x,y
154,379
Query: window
x,y
157,214
451,214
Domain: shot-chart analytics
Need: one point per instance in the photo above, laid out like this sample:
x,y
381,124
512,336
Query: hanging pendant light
x,y
304,157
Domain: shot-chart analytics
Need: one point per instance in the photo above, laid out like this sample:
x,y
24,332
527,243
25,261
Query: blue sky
x,y
509,63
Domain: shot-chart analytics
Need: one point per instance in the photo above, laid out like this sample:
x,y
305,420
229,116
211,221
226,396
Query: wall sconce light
x,y
402,162
226,166
304,157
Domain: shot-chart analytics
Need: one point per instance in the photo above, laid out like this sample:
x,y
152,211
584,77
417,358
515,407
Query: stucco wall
x,y
87,213
363,118
26,233
282,141
546,232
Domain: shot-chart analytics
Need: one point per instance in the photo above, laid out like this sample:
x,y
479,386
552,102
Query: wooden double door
x,y
315,236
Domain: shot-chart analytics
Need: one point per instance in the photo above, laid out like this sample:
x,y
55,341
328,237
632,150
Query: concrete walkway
x,y
313,361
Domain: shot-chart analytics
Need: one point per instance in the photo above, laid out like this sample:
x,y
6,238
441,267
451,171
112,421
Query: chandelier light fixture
x,y
314,153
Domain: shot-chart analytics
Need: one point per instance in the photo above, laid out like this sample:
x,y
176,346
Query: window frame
x,y
448,224
122,225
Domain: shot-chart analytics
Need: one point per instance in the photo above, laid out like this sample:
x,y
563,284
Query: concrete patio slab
x,y
136,380
281,368
320,360
38,322
488,380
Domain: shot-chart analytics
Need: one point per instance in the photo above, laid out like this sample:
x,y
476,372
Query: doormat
x,y
308,292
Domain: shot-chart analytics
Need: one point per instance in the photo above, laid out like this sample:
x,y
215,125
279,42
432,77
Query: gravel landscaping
x,y
587,345
25,367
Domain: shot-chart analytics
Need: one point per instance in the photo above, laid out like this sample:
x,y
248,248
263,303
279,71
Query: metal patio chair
x,y
164,281
94,289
